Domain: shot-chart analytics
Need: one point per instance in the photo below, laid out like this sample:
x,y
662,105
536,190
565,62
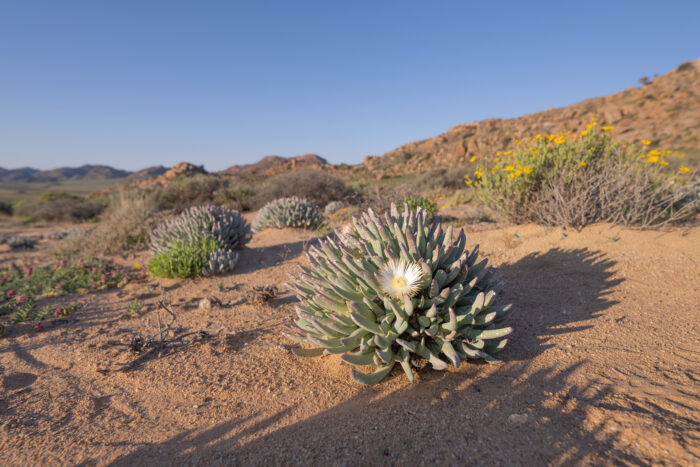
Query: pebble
x,y
518,419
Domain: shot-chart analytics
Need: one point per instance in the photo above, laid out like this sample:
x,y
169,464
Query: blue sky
x,y
139,83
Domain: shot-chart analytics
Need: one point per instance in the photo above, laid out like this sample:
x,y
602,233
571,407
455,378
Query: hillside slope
x,y
665,111
272,165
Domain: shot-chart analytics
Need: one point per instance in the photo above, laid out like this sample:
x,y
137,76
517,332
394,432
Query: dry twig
x,y
158,344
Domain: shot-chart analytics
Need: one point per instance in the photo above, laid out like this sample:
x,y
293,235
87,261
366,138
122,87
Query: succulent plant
x,y
333,206
287,212
20,242
225,226
61,234
220,261
202,240
396,289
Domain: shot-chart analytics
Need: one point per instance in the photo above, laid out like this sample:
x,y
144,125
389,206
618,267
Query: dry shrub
x,y
611,192
59,207
125,228
440,180
318,187
188,191
580,179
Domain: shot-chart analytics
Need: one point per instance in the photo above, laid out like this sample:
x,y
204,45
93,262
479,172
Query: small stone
x,y
208,303
518,419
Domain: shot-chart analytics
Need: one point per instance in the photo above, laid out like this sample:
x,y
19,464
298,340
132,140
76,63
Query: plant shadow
x,y
556,292
524,411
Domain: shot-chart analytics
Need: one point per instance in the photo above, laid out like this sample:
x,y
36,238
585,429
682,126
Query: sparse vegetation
x,y
59,206
125,228
186,191
22,286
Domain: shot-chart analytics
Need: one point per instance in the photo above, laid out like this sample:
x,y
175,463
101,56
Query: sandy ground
x,y
603,368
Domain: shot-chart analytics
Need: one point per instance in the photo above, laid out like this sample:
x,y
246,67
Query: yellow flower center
x,y
398,283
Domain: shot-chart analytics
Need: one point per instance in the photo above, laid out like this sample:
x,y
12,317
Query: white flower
x,y
399,278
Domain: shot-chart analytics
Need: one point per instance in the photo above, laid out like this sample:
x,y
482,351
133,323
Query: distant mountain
x,y
94,172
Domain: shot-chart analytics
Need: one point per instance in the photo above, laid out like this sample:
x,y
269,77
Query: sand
x,y
602,368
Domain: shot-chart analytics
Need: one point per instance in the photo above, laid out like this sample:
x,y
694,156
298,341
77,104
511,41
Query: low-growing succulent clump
x,y
17,243
332,207
288,212
201,241
398,289
22,286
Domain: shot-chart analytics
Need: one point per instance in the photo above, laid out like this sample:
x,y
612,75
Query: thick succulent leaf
x,y
370,326
407,369
493,347
359,359
372,378
489,333
385,355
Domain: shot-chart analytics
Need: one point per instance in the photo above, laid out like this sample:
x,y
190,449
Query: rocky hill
x,y
272,165
665,110
147,173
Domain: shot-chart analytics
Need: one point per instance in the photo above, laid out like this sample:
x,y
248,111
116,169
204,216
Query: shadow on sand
x,y
525,411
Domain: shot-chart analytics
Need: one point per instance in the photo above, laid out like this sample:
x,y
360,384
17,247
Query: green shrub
x,y
579,179
5,208
316,186
288,212
183,260
415,202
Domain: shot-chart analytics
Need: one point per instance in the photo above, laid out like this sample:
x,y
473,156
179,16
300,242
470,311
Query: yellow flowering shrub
x,y
580,178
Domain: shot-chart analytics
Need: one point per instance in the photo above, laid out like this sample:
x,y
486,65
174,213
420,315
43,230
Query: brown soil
x,y
603,368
